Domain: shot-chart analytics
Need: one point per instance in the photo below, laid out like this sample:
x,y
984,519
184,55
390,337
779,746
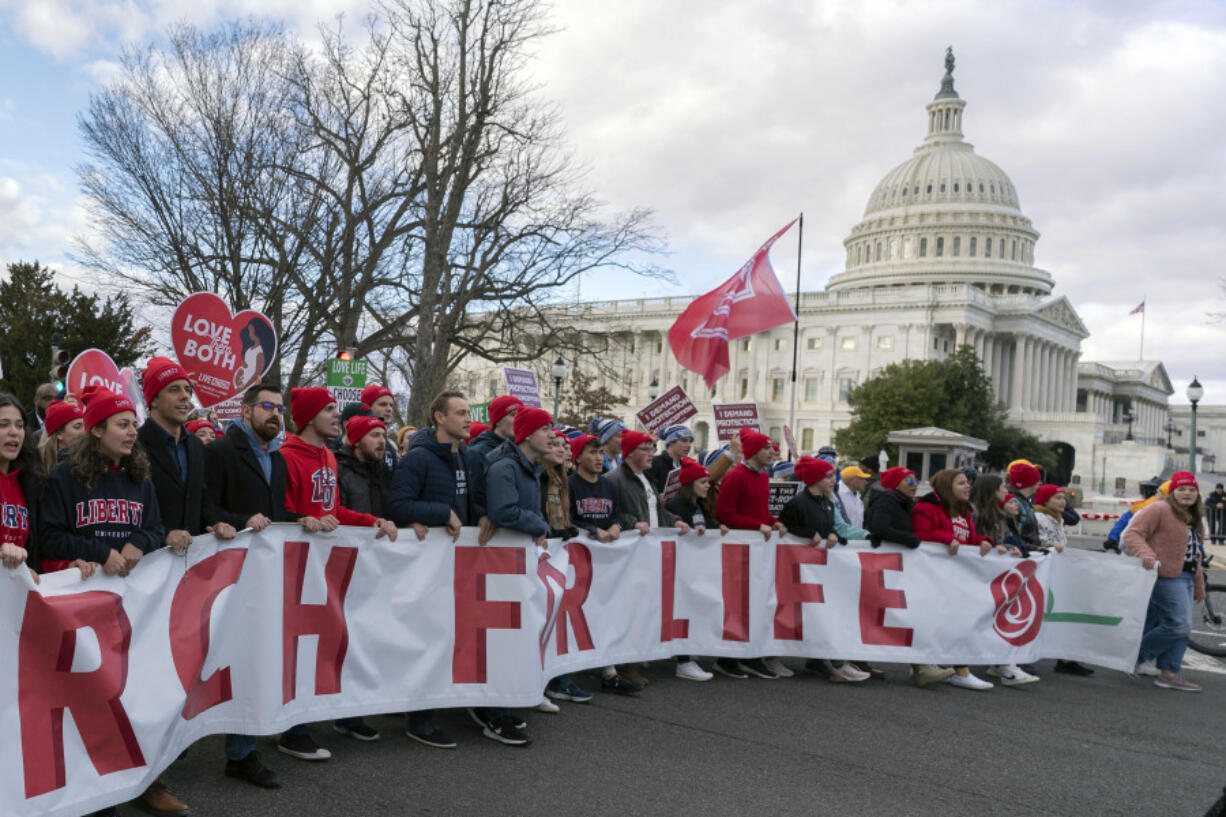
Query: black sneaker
x,y
251,770
480,716
731,668
504,730
356,728
1073,668
818,667
756,666
620,686
302,747
437,738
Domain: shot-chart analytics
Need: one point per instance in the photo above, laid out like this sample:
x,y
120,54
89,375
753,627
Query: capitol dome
x,y
944,216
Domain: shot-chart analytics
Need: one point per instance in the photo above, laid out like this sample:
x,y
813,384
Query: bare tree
x,y
410,196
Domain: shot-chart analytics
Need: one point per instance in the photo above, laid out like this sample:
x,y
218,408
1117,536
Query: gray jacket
x,y
633,500
513,491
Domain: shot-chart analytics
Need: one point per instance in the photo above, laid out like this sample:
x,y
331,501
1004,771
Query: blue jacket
x,y
423,488
513,486
80,524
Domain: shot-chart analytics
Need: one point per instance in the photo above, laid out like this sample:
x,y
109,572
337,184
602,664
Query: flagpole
x,y
1143,299
800,242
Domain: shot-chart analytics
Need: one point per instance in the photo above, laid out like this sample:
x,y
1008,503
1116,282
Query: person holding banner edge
x,y
744,504
108,464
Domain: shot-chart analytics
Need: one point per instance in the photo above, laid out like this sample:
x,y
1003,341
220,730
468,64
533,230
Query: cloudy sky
x,y
728,118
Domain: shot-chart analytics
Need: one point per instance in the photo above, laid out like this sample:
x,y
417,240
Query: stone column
x,y
1018,366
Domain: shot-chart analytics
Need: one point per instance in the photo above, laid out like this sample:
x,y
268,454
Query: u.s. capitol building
x,y
943,256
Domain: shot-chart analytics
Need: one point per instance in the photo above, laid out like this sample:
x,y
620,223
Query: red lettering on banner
x,y
190,611
791,592
876,598
47,686
570,607
326,620
474,615
736,592
670,627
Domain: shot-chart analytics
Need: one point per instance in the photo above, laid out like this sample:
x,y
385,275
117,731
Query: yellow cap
x,y
1018,462
1165,488
855,471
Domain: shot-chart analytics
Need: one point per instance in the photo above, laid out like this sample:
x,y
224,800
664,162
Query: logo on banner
x,y
1019,604
223,353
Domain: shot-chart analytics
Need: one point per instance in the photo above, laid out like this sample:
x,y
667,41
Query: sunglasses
x,y
268,405
910,481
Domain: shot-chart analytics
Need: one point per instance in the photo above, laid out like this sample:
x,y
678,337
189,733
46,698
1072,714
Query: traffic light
x,y
344,354
59,363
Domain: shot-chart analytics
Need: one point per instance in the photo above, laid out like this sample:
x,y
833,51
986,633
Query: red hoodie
x,y
14,513
744,499
932,523
310,487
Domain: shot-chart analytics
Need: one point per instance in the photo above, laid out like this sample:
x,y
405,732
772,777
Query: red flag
x,y
749,302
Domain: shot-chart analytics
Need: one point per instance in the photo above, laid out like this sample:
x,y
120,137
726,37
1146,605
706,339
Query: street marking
x,y
1203,663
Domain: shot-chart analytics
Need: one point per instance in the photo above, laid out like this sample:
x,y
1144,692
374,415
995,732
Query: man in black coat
x,y
678,440
176,465
245,475
362,477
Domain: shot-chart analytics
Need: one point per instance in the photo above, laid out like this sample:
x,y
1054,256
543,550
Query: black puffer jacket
x,y
808,515
363,485
888,519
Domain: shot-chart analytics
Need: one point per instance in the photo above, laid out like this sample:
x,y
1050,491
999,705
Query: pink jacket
x,y
1156,532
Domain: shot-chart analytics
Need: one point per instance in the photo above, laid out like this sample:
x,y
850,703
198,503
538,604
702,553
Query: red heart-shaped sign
x,y
94,367
223,354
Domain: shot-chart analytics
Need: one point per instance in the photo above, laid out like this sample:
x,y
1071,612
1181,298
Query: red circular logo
x,y
1019,604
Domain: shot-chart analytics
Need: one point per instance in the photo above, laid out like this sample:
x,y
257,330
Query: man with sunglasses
x,y
245,475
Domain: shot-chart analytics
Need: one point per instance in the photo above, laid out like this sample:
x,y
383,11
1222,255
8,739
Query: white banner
x,y
114,677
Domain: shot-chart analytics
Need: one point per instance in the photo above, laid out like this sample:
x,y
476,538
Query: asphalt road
x,y
1104,745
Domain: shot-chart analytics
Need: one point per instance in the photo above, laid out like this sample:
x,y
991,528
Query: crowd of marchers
x,y
86,487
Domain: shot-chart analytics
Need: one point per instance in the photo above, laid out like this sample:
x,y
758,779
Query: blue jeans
x,y
239,746
1168,622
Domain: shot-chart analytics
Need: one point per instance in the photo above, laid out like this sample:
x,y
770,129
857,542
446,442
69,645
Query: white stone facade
x,y
943,256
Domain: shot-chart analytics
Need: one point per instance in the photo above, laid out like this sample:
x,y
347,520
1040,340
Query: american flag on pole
x,y
1140,308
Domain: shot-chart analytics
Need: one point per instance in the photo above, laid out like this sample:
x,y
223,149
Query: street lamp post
x,y
558,371
653,391
1128,419
1169,428
1195,392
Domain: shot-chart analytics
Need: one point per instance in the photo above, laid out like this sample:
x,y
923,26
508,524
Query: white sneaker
x,y
547,705
968,681
1012,675
848,673
776,666
1149,667
691,671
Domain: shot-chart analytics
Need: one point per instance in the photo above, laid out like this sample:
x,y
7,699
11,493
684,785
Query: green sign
x,y
479,412
346,379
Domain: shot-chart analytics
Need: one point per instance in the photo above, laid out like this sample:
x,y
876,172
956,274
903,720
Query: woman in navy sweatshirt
x,y
99,504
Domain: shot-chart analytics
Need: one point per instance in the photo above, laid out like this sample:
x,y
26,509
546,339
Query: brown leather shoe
x,y
158,800
632,674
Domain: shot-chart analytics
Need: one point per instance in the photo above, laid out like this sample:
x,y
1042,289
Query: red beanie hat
x,y
373,392
581,442
691,470
102,404
1023,475
632,440
193,426
304,404
476,429
359,427
160,372
752,441
1046,492
812,469
527,420
1182,478
60,414
502,406
891,477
